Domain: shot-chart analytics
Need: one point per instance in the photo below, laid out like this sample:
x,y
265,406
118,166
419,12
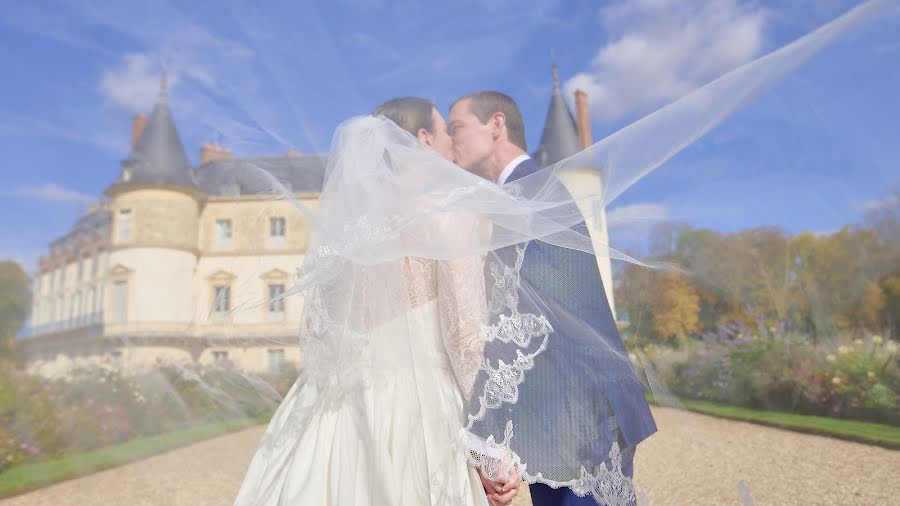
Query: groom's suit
x,y
567,288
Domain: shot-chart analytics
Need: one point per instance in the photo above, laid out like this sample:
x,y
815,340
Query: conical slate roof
x,y
158,157
560,137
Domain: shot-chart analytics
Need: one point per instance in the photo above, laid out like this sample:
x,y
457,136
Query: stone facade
x,y
147,291
160,218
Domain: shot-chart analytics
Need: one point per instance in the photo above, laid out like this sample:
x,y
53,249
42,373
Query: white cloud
x,y
633,213
237,88
631,225
52,192
888,202
244,76
663,49
134,84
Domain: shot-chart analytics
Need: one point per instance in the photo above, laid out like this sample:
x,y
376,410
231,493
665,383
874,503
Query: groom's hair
x,y
409,113
485,104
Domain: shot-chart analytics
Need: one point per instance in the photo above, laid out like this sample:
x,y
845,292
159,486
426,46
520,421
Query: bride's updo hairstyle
x,y
409,113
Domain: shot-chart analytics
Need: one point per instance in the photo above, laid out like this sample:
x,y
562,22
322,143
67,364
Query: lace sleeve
x,y
463,312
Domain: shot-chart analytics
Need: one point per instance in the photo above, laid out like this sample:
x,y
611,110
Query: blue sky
x,y
813,153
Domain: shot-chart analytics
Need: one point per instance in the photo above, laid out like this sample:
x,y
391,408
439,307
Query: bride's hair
x,y
410,113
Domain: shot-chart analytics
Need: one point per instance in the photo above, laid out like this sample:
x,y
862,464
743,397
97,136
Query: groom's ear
x,y
497,122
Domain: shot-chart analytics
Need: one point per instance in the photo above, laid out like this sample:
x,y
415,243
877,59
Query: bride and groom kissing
x,y
485,134
413,324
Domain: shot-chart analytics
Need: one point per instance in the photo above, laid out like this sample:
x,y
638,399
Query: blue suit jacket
x,y
565,285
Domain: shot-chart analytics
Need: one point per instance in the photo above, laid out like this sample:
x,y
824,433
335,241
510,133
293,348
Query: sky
x,y
813,153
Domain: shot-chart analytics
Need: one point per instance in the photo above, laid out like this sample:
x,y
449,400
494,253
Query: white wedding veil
x,y
385,309
548,391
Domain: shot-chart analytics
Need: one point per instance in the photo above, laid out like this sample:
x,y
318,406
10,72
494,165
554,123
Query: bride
x,y
390,350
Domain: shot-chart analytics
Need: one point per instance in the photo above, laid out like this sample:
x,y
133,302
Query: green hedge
x,y
886,436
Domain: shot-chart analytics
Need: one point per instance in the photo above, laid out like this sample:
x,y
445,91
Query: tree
x,y
871,307
633,291
884,219
718,267
890,286
15,302
677,309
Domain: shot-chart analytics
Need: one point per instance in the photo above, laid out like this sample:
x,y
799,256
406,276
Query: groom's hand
x,y
501,493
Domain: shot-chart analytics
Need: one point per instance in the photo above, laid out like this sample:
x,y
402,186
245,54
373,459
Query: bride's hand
x,y
501,493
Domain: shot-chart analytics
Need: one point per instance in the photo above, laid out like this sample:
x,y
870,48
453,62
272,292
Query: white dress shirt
x,y
510,167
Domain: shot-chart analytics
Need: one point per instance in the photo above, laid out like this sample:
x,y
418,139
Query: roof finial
x,y
555,71
163,86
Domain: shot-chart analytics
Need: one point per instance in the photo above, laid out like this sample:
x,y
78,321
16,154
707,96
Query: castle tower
x,y
155,206
562,138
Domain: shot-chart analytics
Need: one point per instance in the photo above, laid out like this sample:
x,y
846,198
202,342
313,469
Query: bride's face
x,y
439,140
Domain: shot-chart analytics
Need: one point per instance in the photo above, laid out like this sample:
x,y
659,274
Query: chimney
x,y
584,119
137,128
293,153
210,152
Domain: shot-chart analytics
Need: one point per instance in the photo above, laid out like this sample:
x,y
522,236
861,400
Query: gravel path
x,y
694,459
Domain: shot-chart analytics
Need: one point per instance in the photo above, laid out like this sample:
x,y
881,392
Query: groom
x,y
488,137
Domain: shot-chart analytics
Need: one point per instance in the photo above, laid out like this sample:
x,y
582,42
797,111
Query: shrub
x,y
845,378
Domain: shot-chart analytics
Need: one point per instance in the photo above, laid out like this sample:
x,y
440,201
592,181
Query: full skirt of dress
x,y
381,429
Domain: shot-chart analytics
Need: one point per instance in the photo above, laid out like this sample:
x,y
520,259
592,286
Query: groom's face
x,y
472,140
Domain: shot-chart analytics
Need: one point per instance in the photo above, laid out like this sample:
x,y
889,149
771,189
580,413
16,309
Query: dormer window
x,y
223,233
276,231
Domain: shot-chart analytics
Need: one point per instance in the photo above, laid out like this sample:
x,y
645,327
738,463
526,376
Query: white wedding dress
x,y
383,429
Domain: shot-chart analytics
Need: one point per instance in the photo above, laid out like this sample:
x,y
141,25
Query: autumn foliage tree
x,y
765,278
677,309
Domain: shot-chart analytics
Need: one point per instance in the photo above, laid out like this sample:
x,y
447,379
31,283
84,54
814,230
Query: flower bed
x,y
96,407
